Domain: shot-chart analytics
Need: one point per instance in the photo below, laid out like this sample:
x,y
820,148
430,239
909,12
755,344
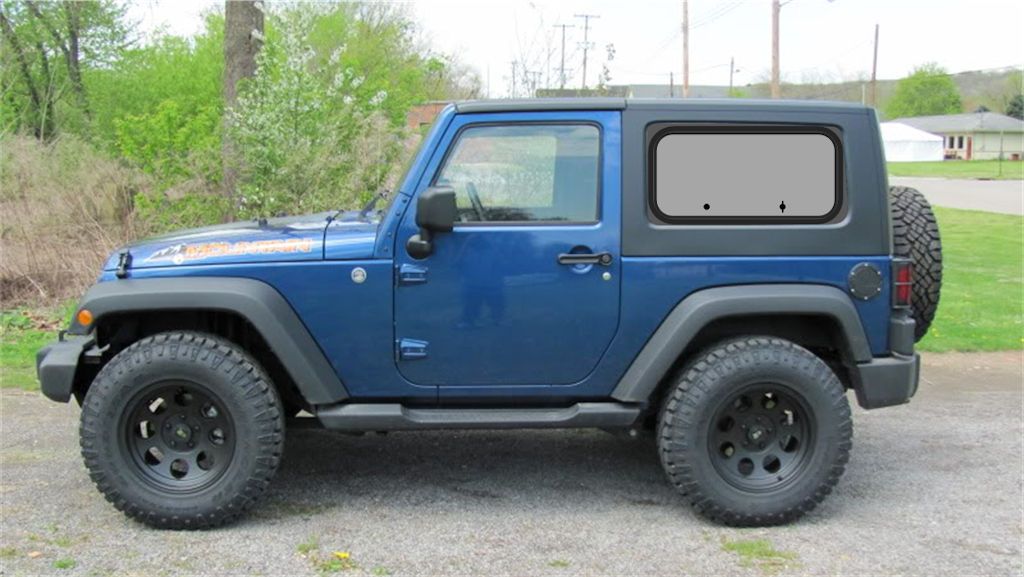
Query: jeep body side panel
x,y
350,323
706,306
861,227
255,301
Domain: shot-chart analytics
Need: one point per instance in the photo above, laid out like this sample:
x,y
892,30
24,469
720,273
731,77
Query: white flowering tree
x,y
322,122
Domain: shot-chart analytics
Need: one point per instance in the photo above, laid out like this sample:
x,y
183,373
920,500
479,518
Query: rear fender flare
x,y
701,308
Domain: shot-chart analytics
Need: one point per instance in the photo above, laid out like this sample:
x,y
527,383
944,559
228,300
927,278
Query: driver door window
x,y
525,173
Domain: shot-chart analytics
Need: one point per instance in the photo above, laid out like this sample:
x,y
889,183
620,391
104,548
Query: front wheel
x,y
182,430
756,432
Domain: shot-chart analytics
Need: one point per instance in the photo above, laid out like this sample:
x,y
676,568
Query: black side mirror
x,y
435,212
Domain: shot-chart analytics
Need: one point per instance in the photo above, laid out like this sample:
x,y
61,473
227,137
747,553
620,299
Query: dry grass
x,y
63,208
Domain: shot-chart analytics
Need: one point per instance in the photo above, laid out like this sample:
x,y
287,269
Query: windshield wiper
x,y
382,193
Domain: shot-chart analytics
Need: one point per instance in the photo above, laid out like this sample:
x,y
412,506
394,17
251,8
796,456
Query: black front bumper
x,y
57,363
887,381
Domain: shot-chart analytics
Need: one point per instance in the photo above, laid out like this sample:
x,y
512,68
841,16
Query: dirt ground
x,y
933,488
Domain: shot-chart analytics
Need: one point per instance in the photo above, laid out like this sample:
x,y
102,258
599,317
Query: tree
x,y
929,90
1015,107
48,48
243,38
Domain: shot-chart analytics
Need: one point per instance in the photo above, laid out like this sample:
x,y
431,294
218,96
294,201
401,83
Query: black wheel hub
x,y
760,439
178,435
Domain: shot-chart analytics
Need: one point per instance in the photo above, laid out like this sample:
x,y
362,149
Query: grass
x,y
65,563
982,288
980,308
988,169
22,333
761,554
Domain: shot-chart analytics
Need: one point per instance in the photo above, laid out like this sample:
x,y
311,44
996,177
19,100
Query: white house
x,y
905,143
974,135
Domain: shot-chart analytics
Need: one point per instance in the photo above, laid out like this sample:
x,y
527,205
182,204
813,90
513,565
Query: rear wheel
x,y
182,430
915,235
757,431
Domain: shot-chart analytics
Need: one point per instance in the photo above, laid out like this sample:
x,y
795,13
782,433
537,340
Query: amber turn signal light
x,y
84,317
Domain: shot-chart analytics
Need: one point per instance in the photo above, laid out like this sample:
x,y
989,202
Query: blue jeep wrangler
x,y
718,272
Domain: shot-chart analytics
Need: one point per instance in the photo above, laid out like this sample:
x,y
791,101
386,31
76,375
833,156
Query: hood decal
x,y
184,252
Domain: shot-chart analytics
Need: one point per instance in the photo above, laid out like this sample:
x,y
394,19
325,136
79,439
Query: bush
x,y
65,207
307,132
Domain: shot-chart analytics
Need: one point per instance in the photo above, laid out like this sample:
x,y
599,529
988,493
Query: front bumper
x,y
57,363
887,381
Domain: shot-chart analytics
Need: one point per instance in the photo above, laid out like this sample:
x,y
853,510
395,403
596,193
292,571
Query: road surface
x,y
1006,196
932,488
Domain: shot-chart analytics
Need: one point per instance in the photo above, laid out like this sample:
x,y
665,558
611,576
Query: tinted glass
x,y
525,173
745,175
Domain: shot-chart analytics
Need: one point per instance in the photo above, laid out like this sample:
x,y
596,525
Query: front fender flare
x,y
257,302
699,309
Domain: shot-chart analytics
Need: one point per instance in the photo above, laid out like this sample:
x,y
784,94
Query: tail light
x,y
902,282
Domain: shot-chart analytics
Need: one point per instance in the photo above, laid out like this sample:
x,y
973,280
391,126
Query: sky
x,y
821,40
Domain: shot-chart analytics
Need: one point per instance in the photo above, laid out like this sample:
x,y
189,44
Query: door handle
x,y
601,258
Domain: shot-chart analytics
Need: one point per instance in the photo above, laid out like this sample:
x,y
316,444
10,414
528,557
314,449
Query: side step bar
x,y
396,417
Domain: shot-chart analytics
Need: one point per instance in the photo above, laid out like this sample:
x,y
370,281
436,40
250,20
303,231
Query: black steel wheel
x,y
182,430
761,437
756,431
179,435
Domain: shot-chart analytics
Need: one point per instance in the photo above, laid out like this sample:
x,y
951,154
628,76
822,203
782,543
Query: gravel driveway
x,y
933,488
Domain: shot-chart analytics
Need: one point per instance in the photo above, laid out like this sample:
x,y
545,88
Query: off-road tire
x,y
688,419
248,399
915,235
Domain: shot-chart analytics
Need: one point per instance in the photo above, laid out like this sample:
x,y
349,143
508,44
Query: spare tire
x,y
915,235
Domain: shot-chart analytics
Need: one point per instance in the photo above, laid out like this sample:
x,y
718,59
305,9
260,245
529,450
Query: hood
x,y
284,239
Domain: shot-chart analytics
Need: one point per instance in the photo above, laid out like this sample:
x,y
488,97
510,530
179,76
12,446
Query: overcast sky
x,y
821,39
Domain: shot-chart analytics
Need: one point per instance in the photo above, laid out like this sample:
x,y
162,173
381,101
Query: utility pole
x,y
561,68
514,63
776,8
686,49
671,85
732,68
874,71
586,42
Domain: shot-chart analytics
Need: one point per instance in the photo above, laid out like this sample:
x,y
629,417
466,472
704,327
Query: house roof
x,y
970,122
899,132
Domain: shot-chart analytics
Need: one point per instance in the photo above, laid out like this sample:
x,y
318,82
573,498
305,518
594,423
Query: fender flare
x,y
256,301
699,309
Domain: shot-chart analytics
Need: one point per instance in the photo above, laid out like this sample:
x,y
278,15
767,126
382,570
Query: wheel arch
x,y
818,317
247,311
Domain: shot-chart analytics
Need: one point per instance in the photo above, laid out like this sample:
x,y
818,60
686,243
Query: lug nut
x,y
173,444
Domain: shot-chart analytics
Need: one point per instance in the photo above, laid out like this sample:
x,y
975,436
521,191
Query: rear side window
x,y
732,174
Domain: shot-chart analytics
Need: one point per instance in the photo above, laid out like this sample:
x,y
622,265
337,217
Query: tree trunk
x,y
243,37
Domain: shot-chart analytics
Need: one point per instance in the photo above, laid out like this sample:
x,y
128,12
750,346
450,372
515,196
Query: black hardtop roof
x,y
546,104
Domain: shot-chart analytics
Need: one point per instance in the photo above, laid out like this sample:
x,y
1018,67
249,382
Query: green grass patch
x,y
761,554
559,564
22,333
989,169
982,287
66,563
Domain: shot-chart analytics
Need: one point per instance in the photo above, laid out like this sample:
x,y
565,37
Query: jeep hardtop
x,y
721,273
